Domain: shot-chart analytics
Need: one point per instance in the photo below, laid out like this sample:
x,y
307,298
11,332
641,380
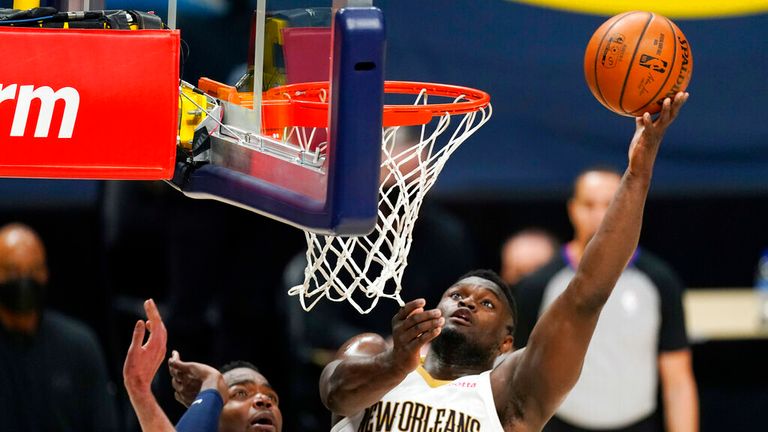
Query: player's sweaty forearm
x,y
535,380
547,369
356,383
367,367
616,239
609,251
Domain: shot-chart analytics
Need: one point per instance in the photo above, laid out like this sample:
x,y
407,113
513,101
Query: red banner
x,y
98,104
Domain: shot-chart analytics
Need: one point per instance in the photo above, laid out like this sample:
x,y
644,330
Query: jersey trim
x,y
432,382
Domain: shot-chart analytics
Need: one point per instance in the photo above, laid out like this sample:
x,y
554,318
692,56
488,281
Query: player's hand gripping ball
x,y
635,60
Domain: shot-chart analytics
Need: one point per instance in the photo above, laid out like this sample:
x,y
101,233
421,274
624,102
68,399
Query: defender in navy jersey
x,y
236,398
380,387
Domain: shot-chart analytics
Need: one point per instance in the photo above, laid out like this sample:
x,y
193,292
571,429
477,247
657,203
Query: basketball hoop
x,y
363,269
306,104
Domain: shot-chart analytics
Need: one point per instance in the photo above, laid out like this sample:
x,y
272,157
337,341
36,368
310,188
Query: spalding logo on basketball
x,y
635,60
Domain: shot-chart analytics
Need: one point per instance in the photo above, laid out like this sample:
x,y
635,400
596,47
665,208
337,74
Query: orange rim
x,y
302,105
305,104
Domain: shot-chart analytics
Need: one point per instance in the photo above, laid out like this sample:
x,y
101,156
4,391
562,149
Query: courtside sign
x,y
97,104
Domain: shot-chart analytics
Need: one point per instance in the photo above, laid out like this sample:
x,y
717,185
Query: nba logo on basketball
x,y
653,63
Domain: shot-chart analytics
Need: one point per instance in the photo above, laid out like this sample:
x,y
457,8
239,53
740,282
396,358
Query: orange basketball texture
x,y
635,60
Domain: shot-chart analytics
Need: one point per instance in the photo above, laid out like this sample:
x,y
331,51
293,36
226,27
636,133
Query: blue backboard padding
x,y
354,154
356,111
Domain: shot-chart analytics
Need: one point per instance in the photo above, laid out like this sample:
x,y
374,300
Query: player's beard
x,y
455,348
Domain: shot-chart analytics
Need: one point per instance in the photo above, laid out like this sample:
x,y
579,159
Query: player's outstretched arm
x,y
535,380
141,364
366,367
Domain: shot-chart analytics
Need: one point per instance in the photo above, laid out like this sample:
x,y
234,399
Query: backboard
x,y
316,169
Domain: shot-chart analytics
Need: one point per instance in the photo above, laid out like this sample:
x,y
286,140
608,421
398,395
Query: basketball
x,y
635,60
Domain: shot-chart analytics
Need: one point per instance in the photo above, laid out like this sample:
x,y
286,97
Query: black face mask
x,y
22,295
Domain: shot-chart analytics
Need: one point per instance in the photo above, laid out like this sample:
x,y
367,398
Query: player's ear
x,y
507,344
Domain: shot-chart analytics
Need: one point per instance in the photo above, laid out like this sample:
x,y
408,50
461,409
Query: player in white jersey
x,y
375,386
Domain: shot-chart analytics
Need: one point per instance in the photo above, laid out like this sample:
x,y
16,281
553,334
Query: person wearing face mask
x,y
53,375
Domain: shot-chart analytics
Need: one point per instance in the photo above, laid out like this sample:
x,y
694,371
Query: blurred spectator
x,y
52,369
525,252
639,340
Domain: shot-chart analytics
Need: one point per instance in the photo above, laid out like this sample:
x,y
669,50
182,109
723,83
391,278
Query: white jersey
x,y
421,403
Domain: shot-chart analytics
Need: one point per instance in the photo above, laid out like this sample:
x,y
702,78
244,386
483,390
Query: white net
x,y
364,269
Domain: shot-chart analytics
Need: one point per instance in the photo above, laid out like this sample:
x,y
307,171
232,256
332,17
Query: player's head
x,y
253,404
593,191
480,316
525,252
23,271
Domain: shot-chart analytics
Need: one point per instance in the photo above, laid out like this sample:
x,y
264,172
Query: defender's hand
x,y
190,378
143,361
412,328
648,134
